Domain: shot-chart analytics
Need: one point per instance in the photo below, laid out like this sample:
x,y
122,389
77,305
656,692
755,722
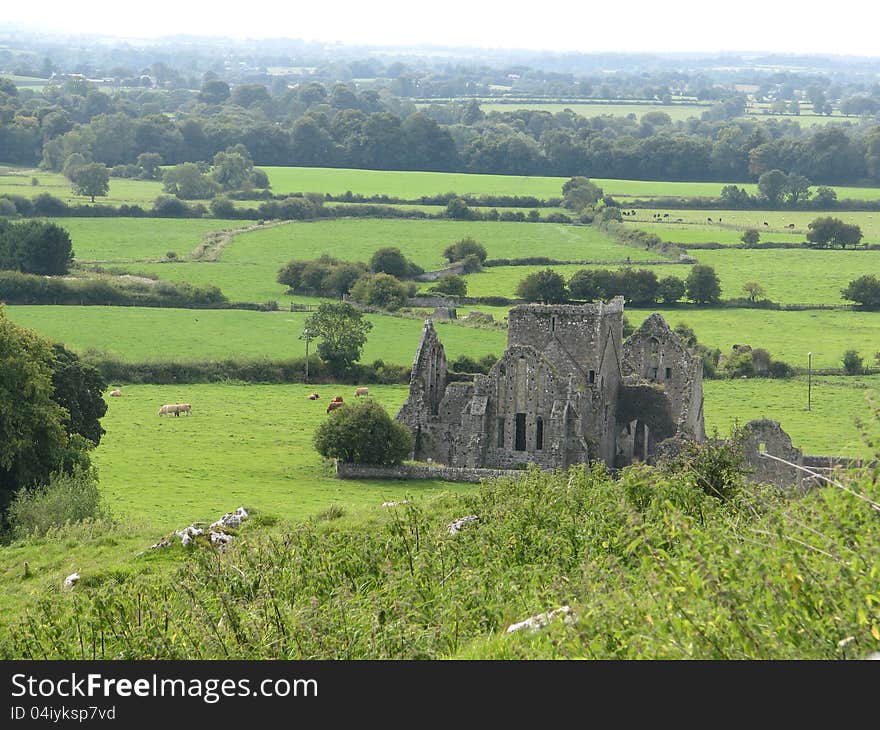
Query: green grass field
x,y
695,226
125,240
828,428
243,445
790,276
145,334
410,184
248,268
17,181
788,336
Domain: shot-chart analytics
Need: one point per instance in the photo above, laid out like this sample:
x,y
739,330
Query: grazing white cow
x,y
116,392
361,392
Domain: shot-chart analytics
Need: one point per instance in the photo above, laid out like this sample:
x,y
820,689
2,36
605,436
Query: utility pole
x,y
306,335
809,380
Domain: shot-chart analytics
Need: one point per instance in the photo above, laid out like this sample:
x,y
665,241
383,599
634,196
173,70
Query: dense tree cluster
x,y
342,124
51,404
35,247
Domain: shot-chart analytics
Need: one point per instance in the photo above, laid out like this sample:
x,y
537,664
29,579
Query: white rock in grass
x,y
456,525
71,580
533,623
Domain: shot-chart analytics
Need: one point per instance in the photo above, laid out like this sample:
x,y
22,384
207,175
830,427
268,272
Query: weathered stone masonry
x,y
567,390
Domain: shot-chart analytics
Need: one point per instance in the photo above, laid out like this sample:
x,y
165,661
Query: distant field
x,y
790,276
695,226
146,334
17,181
410,184
243,445
677,112
119,240
788,336
249,266
828,428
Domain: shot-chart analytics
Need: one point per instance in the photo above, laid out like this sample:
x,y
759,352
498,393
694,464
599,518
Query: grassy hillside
x,y
650,566
143,334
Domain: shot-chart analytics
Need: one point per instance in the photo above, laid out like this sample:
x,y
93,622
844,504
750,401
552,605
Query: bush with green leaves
x,y
65,499
547,287
853,363
463,248
451,284
380,290
362,432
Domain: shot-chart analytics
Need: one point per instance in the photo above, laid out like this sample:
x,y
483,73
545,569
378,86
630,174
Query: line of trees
x,y
639,287
345,127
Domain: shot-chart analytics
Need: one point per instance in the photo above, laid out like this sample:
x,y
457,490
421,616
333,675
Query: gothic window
x,y
520,436
669,373
539,434
500,431
592,377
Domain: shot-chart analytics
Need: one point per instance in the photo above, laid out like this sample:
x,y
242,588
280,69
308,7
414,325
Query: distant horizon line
x,y
11,27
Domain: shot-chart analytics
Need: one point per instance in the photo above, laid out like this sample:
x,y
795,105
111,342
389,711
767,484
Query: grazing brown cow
x,y
116,392
184,408
168,409
361,391
313,396
333,405
337,399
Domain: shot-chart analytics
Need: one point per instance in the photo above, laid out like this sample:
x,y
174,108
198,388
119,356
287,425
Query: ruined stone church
x,y
568,389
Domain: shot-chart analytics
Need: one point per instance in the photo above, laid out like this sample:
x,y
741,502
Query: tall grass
x,y
652,566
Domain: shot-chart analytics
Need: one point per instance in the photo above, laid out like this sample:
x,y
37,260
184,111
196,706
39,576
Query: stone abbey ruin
x,y
568,389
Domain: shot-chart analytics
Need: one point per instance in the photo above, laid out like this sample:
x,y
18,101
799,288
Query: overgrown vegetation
x,y
653,565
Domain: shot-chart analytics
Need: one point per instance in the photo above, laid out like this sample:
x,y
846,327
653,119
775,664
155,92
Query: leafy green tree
x,y
35,247
733,196
579,193
451,284
458,210
797,188
380,290
150,164
343,332
864,290
362,432
703,285
592,284
750,237
853,363
214,92
545,286
233,169
772,185
754,291
33,439
78,388
821,230
670,289
92,180
389,260
825,196
187,182
464,248
825,231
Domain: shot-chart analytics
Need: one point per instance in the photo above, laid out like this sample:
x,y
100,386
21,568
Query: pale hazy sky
x,y
787,26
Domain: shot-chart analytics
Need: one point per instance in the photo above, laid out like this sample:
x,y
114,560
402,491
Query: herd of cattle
x,y
178,408
337,401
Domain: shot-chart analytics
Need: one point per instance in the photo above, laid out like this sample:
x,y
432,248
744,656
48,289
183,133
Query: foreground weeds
x,y
651,565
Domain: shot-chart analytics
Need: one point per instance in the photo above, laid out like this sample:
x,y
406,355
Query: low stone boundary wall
x,y
346,470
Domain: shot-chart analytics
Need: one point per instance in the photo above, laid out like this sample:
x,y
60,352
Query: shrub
x,y
715,466
545,286
362,432
67,498
380,290
464,248
450,284
865,291
853,363
750,237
